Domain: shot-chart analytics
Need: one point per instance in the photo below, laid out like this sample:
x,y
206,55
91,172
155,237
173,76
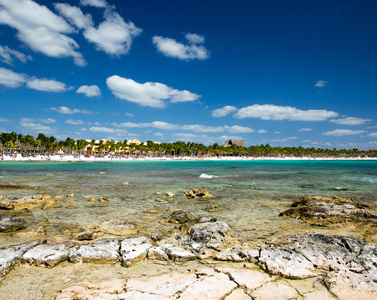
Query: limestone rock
x,y
17,213
249,279
8,224
180,217
46,254
201,193
119,227
87,235
206,219
5,203
180,254
212,208
157,253
134,249
40,200
274,291
101,251
9,256
286,262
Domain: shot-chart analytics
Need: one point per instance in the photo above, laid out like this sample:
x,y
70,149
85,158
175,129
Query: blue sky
x,y
287,73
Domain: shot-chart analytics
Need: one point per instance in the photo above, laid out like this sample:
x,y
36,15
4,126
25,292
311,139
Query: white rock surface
x,y
134,249
46,254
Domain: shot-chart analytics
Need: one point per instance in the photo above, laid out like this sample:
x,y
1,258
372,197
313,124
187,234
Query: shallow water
x,y
251,194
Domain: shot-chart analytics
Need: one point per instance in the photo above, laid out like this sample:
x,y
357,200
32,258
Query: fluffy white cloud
x,y
11,79
194,128
8,55
46,85
350,121
74,15
114,35
89,91
66,110
341,132
45,121
4,120
194,38
95,3
171,48
305,129
261,131
40,29
150,94
35,128
321,83
279,113
107,130
74,122
373,134
224,111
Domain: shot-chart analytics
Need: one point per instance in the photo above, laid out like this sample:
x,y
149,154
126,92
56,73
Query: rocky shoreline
x,y
313,265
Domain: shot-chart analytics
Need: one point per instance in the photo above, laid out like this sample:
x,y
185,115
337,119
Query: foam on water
x,y
206,176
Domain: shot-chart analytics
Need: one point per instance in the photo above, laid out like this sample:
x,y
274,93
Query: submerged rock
x,y
180,217
5,203
40,200
119,227
201,193
8,224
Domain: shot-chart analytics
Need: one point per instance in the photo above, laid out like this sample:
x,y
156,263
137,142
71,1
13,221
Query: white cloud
x,y
195,127
341,132
74,122
224,111
373,134
4,120
95,3
8,55
107,130
40,29
279,113
150,94
262,131
45,121
321,83
89,91
278,132
11,79
194,38
83,129
158,134
46,85
305,129
74,15
171,48
36,128
129,114
113,36
350,121
66,110
94,124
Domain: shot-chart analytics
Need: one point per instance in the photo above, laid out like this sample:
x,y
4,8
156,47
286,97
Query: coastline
x,y
107,158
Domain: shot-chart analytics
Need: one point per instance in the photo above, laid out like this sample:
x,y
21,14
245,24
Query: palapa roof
x,y
229,143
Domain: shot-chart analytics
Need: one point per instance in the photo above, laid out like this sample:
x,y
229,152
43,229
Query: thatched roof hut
x,y
230,143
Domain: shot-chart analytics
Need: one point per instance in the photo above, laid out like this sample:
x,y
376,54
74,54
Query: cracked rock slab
x,y
134,249
286,262
212,287
49,255
100,252
274,291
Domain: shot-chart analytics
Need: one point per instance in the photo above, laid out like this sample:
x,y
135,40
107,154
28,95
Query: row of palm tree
x,y
49,144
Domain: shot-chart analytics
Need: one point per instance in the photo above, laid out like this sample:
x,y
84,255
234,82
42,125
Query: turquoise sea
x,y
250,194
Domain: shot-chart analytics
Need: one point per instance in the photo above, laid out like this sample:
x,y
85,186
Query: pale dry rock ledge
x,y
310,266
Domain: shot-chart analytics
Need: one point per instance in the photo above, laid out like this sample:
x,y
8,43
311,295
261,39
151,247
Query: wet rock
x,y
17,213
342,188
204,231
157,235
34,232
9,256
71,195
345,212
5,203
103,200
180,217
87,235
39,200
134,249
7,186
286,262
164,199
46,254
170,194
119,227
126,183
201,193
212,208
9,224
206,219
307,186
100,252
